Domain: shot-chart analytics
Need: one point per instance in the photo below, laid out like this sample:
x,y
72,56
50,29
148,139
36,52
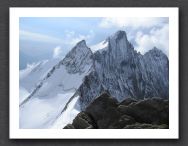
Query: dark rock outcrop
x,y
128,101
103,110
106,113
83,121
154,111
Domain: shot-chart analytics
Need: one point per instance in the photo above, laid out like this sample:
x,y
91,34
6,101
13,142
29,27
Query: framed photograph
x,y
94,73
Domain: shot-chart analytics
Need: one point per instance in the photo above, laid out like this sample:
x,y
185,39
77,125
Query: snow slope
x,y
34,73
41,112
47,101
23,94
30,77
100,46
68,115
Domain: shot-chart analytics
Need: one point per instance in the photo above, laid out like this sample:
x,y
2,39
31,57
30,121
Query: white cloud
x,y
158,37
72,38
27,35
144,32
134,22
57,53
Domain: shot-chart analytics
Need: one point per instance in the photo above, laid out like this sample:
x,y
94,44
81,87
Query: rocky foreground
x,y
106,113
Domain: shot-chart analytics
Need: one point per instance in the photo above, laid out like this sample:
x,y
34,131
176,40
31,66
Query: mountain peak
x,y
119,35
78,58
120,47
80,47
81,43
155,50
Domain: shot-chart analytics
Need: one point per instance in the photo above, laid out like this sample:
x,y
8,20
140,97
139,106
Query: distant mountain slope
x,y
34,73
30,77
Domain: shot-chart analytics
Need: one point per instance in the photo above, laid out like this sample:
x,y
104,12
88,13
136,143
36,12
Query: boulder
x,y
106,113
103,110
122,122
83,121
153,111
128,101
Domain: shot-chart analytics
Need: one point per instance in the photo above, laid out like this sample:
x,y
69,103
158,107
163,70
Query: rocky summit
x,y
125,73
106,113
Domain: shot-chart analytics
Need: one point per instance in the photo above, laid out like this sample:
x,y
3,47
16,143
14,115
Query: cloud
x,y
69,39
158,37
57,53
72,38
134,22
27,35
143,32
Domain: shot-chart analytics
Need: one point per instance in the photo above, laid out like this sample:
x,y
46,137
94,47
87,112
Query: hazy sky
x,y
52,37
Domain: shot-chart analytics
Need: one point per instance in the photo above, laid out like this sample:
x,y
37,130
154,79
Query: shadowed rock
x,y
105,113
80,123
104,110
83,121
154,111
122,121
128,101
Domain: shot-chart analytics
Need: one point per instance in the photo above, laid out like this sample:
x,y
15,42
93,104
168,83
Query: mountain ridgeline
x,y
124,73
113,67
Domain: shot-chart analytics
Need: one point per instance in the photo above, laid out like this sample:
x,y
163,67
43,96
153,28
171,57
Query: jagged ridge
x,y
124,73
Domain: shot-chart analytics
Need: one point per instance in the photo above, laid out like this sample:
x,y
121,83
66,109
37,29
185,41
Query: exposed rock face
x,y
78,58
157,71
128,101
154,111
83,121
124,73
105,113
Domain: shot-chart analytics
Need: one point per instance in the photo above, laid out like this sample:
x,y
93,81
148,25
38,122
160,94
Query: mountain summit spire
x,y
119,35
81,43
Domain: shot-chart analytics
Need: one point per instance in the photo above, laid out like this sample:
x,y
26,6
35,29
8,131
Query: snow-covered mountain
x,y
58,91
49,98
32,75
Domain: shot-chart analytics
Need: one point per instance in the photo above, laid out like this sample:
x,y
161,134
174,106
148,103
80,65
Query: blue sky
x,y
51,37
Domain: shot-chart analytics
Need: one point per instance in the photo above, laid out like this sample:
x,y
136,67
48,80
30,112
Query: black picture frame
x,y
4,74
